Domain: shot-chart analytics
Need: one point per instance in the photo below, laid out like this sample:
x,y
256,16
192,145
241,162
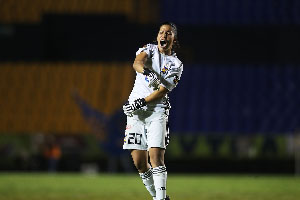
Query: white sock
x,y
147,179
160,181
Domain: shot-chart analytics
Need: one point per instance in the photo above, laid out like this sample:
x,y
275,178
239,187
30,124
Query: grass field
x,y
32,186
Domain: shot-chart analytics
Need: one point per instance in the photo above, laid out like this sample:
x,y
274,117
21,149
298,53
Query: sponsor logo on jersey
x,y
146,78
128,127
176,79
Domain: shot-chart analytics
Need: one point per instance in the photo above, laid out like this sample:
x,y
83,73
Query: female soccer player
x,y
158,71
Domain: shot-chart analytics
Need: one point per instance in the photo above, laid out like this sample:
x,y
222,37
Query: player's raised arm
x,y
139,66
139,62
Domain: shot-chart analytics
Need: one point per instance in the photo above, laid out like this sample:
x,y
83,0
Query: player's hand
x,y
153,81
137,104
127,109
151,78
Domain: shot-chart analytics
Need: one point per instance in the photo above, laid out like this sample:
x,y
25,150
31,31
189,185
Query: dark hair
x,y
176,44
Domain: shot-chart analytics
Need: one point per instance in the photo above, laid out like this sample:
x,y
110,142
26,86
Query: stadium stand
x,y
232,12
37,97
32,11
240,80
237,99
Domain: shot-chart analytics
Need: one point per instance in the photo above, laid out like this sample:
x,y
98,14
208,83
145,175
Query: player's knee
x,y
141,166
156,163
156,157
156,160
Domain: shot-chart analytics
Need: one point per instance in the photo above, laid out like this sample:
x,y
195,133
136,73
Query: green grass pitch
x,y
33,186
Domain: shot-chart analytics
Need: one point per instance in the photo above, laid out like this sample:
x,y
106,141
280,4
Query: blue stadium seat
x,y
237,98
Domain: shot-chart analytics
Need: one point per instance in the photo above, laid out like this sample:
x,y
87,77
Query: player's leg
x,y
157,157
136,141
140,160
157,135
159,171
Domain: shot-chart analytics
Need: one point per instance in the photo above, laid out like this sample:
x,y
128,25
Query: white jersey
x,y
168,70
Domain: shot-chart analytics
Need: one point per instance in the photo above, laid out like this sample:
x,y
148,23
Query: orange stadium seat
x,y
32,11
37,97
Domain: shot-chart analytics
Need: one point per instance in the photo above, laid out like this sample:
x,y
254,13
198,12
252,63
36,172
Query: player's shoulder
x,y
177,61
148,49
150,46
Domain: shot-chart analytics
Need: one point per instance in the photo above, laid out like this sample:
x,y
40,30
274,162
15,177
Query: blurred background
x,y
65,72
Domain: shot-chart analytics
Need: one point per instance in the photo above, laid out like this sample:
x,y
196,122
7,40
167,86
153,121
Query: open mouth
x,y
163,43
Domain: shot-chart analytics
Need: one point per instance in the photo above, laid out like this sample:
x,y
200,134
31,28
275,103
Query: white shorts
x,y
145,130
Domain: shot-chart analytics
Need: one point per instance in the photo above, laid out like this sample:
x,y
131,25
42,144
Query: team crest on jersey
x,y
164,70
167,68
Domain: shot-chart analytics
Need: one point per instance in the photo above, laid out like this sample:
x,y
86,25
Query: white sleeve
x,y
148,49
171,80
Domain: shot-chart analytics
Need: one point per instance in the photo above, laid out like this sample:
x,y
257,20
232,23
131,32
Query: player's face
x,y
165,38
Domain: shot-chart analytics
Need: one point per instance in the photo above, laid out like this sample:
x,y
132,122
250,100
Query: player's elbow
x,y
135,65
161,93
138,66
